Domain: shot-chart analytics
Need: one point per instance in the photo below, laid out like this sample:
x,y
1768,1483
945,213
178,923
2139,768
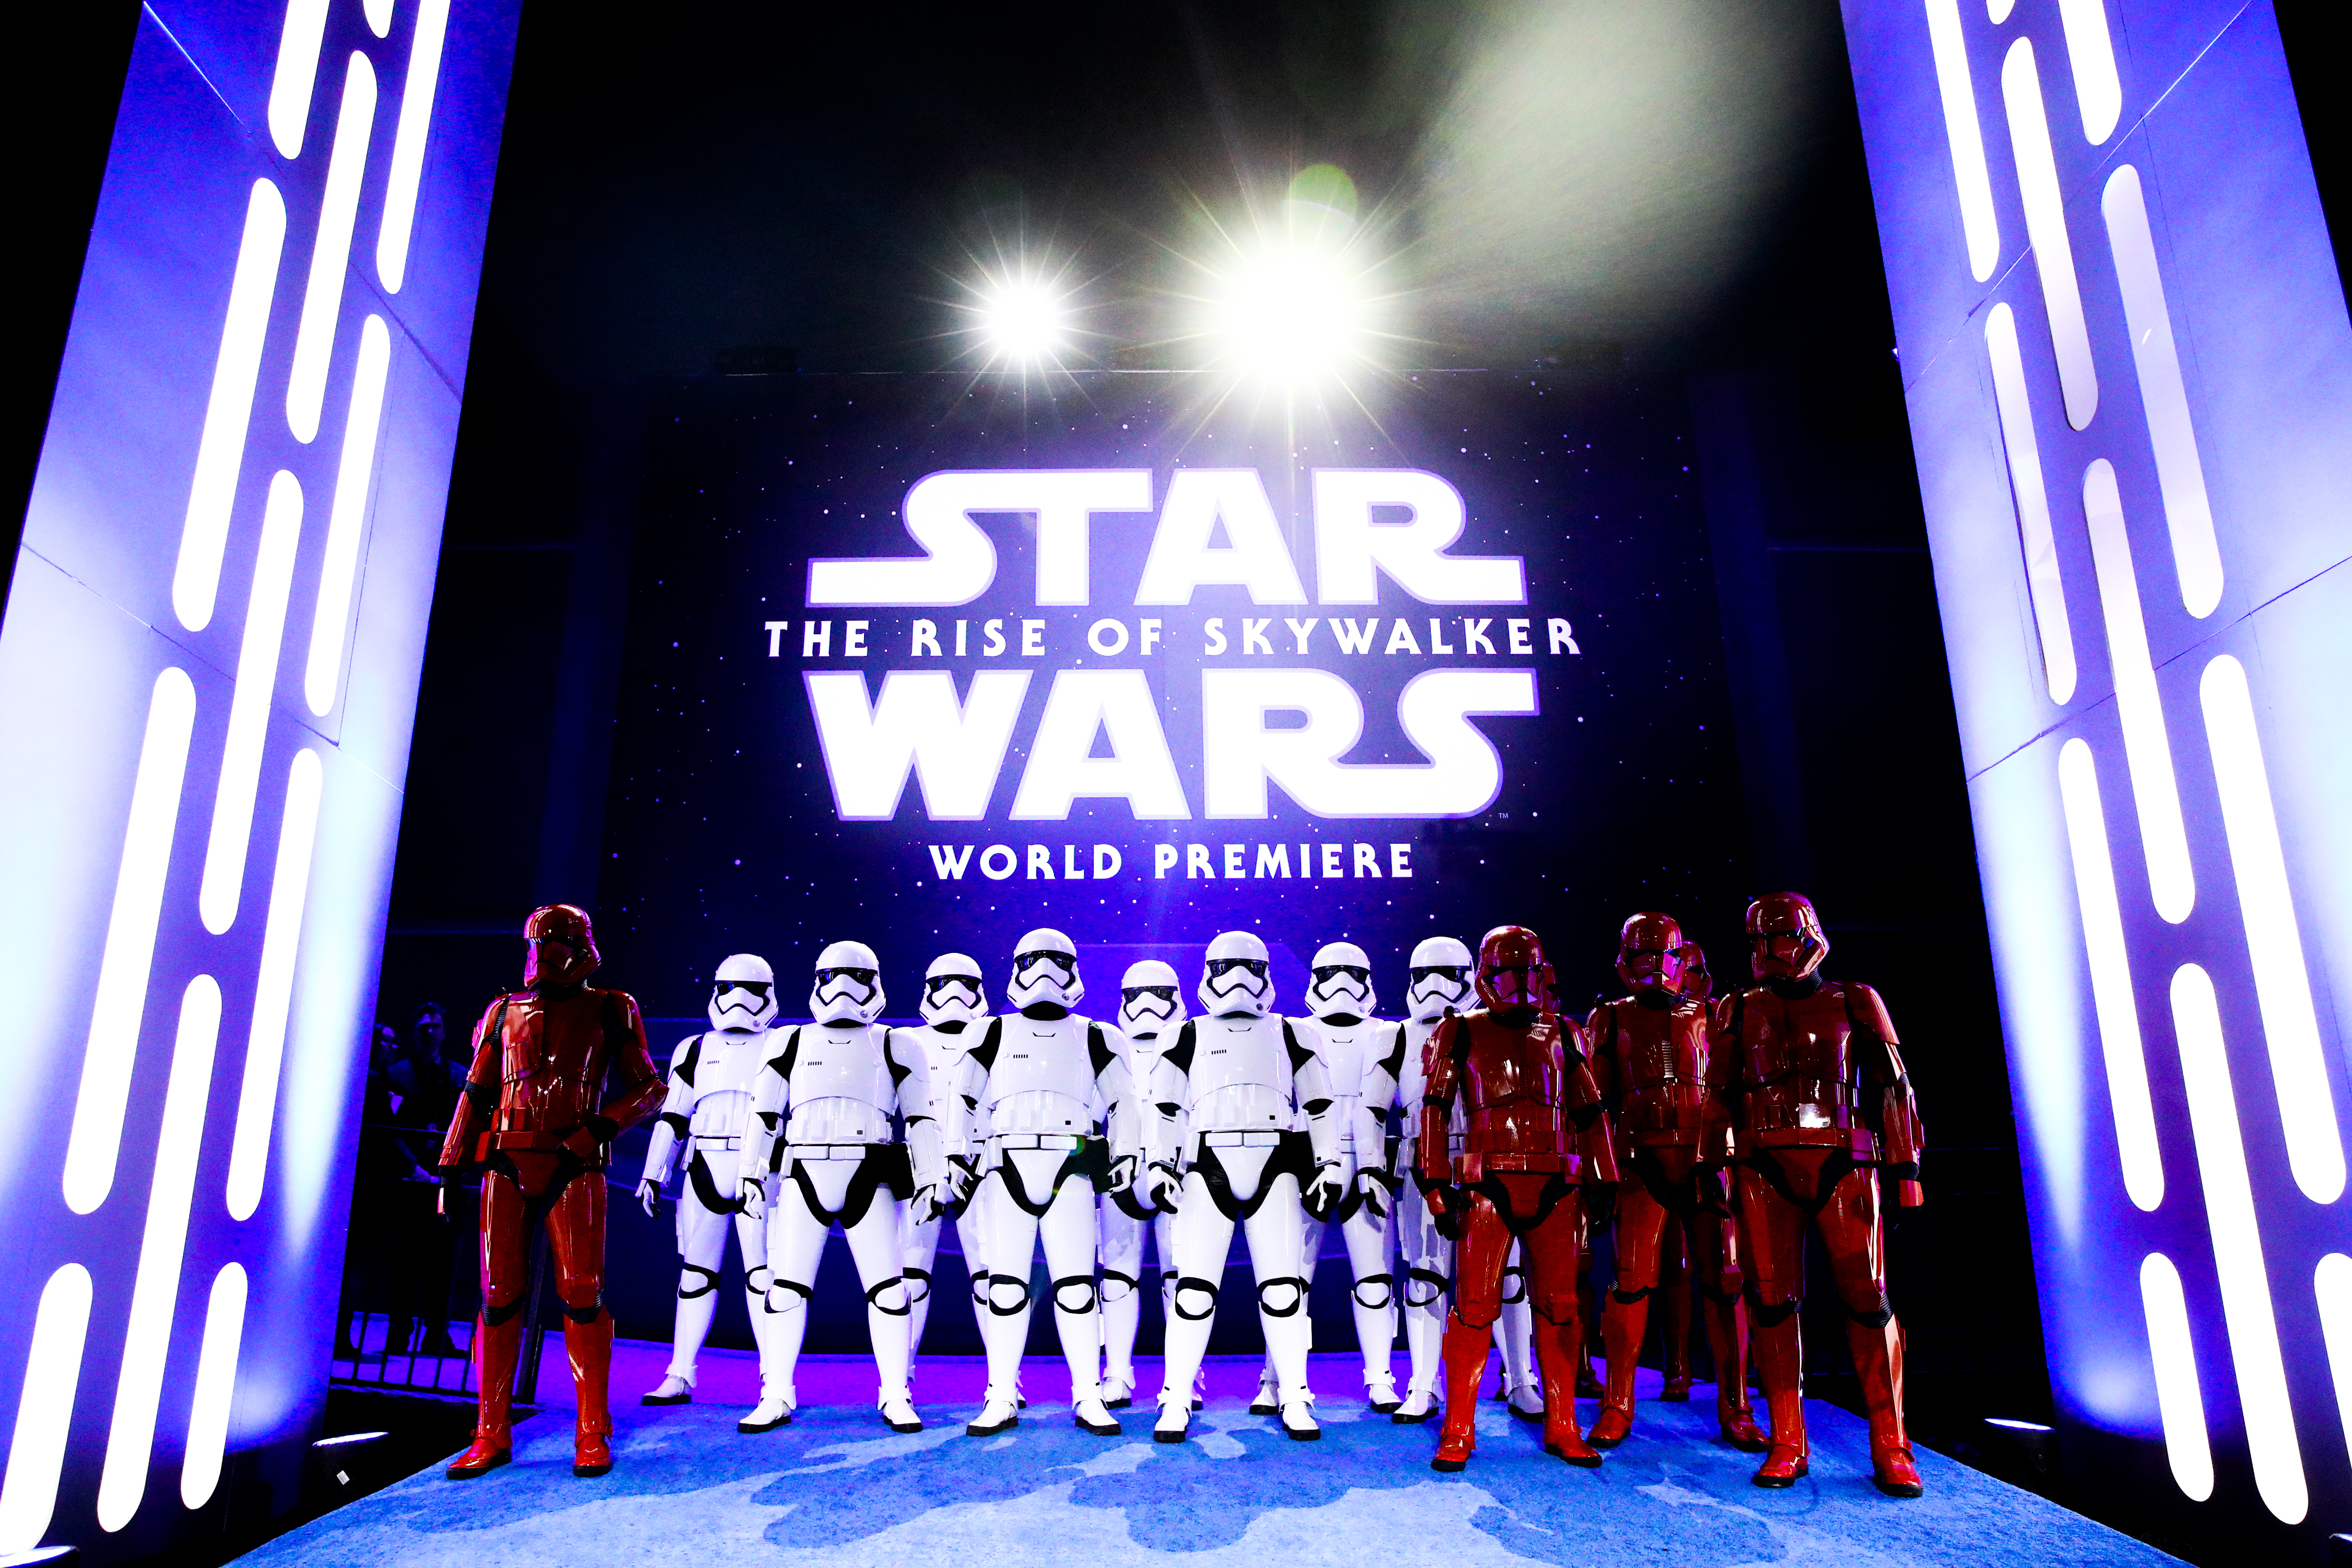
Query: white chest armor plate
x,y
841,1089
1042,1080
943,1057
1345,1052
726,1066
1240,1079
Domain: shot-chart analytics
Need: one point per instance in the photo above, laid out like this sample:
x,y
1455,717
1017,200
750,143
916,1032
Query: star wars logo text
x,y
1101,733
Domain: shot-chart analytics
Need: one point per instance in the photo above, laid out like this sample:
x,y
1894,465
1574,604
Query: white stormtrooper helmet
x,y
1341,982
954,991
1150,1000
1438,977
849,984
743,995
1238,976
1045,969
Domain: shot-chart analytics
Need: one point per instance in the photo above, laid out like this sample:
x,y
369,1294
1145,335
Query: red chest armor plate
x,y
1798,1066
1662,1068
1513,1088
553,1055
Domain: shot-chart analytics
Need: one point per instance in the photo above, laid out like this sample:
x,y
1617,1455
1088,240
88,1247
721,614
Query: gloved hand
x,y
1325,1188
753,1197
1167,1187
925,1205
649,1195
1122,1174
956,1183
1372,1188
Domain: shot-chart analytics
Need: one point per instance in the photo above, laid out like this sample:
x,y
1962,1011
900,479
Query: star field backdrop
x,y
723,831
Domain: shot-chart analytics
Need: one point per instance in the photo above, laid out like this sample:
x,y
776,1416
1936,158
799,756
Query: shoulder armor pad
x,y
1098,1051
1180,1054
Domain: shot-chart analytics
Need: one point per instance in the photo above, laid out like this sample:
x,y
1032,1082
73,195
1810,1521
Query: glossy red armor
x,y
535,1119
1669,1094
1534,1134
1823,1108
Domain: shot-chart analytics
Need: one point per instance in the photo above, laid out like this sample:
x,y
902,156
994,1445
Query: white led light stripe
x,y
249,714
37,1452
2097,92
147,1337
330,250
408,145
2120,1045
2174,1360
1979,225
2331,1283
339,572
297,74
2042,582
215,1387
2045,230
273,989
2171,882
121,1005
220,453
2315,1148
2180,475
2237,1246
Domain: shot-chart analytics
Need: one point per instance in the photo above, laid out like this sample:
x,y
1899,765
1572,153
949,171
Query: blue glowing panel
x,y
928,663
2129,371
207,675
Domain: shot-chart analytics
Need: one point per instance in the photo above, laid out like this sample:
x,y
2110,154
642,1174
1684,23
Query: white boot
x,y
1086,1410
1175,1417
1527,1401
1269,1393
1298,1422
677,1388
774,1410
1420,1405
898,1412
1379,1392
1117,1392
1000,1412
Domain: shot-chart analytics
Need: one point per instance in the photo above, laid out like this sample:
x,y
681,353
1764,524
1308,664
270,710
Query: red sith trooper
x,y
1824,1110
1671,1104
536,1123
1534,1134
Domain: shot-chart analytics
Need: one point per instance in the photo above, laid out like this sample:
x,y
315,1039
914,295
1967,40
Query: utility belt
x,y
835,1150
715,1140
1269,1139
1471,1167
1860,1142
1039,1141
487,1143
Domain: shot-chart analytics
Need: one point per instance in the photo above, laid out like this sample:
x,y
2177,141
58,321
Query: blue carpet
x,y
836,1489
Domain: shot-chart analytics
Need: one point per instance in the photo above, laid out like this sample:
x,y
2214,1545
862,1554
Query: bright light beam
x,y
1289,313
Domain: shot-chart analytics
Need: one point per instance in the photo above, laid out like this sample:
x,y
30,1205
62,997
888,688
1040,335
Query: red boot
x,y
1878,1358
1560,1352
1466,1368
589,1346
1727,1336
1675,1295
1779,1356
1623,1323
495,1349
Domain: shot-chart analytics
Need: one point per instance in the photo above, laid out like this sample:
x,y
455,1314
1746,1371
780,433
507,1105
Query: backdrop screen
x,y
925,662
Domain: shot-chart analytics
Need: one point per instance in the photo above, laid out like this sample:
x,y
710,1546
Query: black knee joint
x,y
709,1281
1298,1285
1079,1282
1435,1281
1515,1287
1628,1298
1019,1282
587,1314
493,1317
913,1279
1877,1316
1382,1285
873,1297
1201,1287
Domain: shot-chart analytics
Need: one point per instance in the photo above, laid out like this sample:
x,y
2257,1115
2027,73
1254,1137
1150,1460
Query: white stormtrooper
x,y
1029,1097
706,1115
1229,1093
1150,1006
1439,981
955,998
1339,998
822,1112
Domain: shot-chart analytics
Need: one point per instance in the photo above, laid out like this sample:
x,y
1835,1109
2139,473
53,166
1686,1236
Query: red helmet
x,y
1698,983
563,947
1514,980
1785,940
1652,954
